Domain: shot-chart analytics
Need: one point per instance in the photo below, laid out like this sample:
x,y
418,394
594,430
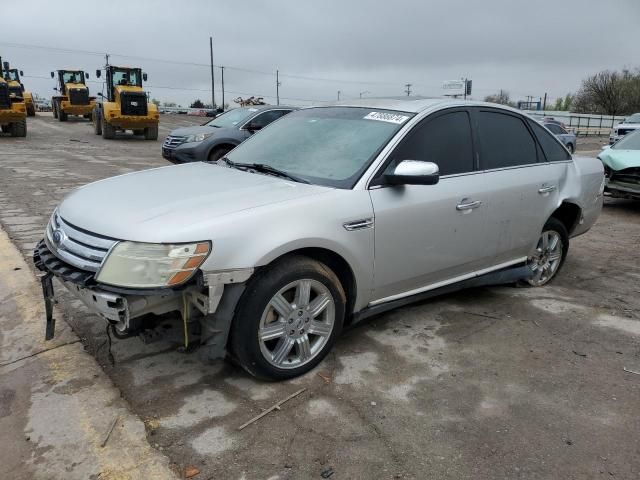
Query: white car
x,y
628,125
327,216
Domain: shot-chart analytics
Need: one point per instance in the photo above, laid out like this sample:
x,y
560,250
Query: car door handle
x,y
467,204
546,189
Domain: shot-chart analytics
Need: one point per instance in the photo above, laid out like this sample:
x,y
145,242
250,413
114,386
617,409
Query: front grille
x,y
5,101
172,141
75,246
628,175
45,261
79,96
133,103
17,91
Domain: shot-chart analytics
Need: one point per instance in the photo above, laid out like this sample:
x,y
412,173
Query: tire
x,y
87,116
97,124
290,351
218,153
151,133
547,261
31,111
571,148
62,117
18,129
108,130
5,128
54,109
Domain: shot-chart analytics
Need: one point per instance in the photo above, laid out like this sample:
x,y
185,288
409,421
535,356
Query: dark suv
x,y
216,138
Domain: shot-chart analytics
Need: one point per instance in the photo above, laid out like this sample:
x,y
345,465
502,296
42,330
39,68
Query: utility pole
x,y
465,88
338,95
278,87
408,90
222,69
544,103
213,94
106,57
362,93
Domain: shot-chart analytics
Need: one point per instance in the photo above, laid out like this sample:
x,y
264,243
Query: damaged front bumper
x,y
211,301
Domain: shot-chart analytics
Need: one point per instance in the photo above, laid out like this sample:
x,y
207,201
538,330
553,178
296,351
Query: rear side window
x,y
505,141
550,146
444,140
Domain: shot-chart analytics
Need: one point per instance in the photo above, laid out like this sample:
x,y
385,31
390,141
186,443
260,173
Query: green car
x,y
622,167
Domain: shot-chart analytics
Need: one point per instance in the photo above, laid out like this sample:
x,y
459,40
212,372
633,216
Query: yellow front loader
x,y
12,76
13,113
73,95
125,106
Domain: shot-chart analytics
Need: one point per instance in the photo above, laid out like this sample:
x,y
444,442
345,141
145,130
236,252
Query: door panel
x,y
421,237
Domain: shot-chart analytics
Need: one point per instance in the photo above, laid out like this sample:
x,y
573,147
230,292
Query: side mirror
x,y
21,73
5,65
98,73
52,75
86,75
144,77
100,94
55,88
413,172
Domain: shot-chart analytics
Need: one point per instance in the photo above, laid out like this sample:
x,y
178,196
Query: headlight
x,y
198,137
151,265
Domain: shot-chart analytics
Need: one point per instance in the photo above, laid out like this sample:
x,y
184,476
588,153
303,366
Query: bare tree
x,y
605,91
502,97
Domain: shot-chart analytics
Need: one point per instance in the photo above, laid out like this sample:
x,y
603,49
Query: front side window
x,y
553,128
505,141
553,151
444,140
330,146
266,118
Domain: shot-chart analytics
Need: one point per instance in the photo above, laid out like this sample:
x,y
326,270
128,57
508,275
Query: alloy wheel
x,y
546,259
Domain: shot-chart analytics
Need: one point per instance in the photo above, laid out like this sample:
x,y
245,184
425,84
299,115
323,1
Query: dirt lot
x,y
484,384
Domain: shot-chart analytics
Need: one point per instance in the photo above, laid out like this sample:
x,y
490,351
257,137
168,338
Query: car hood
x,y
185,131
174,203
620,159
628,125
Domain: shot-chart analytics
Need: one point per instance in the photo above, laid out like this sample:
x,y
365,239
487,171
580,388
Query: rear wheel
x,y
18,129
218,153
151,133
288,318
31,111
108,130
54,109
549,254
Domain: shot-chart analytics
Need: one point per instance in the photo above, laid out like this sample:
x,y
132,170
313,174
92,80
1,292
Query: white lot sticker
x,y
387,117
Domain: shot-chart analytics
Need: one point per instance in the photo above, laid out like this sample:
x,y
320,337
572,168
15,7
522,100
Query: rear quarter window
x,y
552,149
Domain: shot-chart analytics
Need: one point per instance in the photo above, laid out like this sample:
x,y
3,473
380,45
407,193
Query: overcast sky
x,y
525,47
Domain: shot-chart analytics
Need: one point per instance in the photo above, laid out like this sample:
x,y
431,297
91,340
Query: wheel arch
x,y
569,214
221,144
337,263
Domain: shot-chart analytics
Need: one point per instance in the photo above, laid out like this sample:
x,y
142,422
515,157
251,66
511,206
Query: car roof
x,y
417,105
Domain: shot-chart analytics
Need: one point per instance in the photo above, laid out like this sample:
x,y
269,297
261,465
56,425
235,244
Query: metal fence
x,y
582,124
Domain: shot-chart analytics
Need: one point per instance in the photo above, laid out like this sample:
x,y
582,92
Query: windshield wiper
x,y
263,168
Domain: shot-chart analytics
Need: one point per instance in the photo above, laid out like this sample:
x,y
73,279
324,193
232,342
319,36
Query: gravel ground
x,y
488,383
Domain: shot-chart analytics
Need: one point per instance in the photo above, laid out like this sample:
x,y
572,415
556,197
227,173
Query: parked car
x,y
568,139
329,216
628,125
553,120
622,167
216,138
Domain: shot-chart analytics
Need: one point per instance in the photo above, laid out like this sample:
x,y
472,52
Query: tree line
x,y
607,92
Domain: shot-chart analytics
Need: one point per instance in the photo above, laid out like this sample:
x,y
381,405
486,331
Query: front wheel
x,y
288,319
549,254
571,148
97,123
218,153
151,133
108,130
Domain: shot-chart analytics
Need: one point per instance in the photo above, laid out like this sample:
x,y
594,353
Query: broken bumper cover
x,y
121,308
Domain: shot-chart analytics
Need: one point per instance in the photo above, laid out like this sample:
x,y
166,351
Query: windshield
x,y
73,77
631,141
232,118
12,75
330,146
635,118
126,77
